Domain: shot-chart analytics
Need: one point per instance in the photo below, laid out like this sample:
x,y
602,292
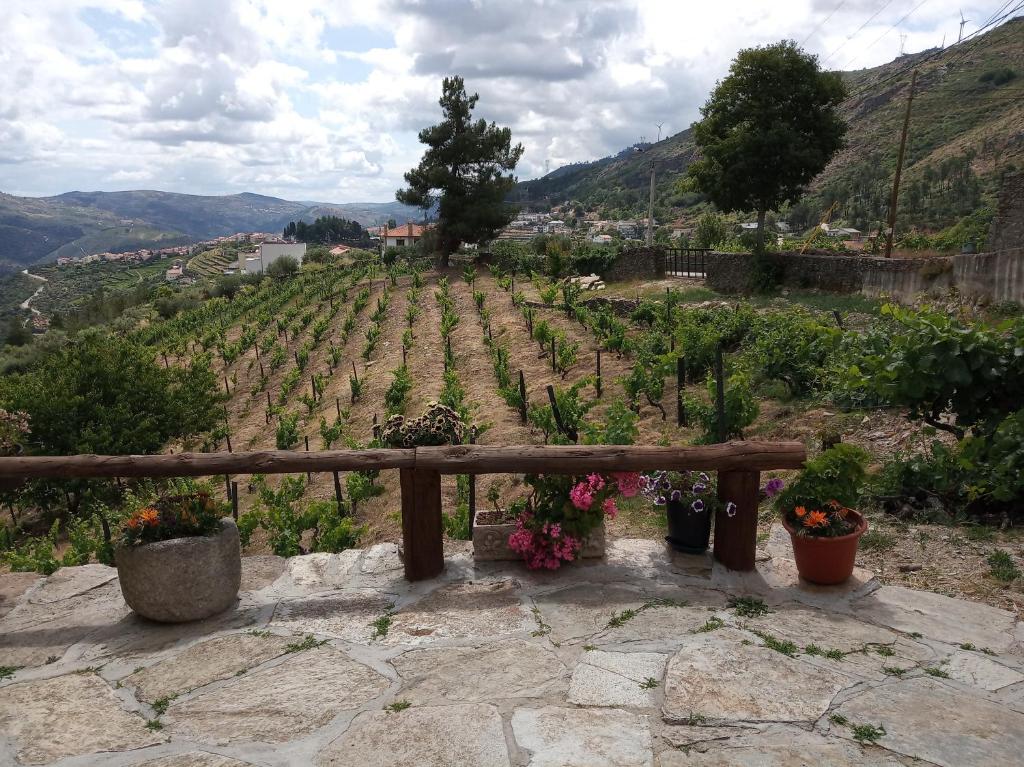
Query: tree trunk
x,y
759,244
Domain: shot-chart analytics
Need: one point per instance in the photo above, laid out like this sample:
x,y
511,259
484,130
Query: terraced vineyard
x,y
212,262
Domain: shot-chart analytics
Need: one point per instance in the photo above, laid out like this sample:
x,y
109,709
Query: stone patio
x,y
635,661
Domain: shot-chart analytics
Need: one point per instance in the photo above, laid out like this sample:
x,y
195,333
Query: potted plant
x,y
13,429
816,512
179,559
561,520
690,499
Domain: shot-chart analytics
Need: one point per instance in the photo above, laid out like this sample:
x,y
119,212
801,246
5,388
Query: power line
x,y
858,31
823,23
878,39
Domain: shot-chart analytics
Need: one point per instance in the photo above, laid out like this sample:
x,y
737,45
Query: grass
x,y
381,626
783,646
261,634
308,642
711,624
833,654
621,619
937,672
884,650
867,733
6,672
160,704
877,540
649,683
839,719
894,671
748,607
153,725
543,629
1002,567
398,705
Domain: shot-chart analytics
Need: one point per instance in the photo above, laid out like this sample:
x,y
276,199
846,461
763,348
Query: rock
x,y
279,703
979,671
777,581
55,616
805,626
568,737
949,620
474,609
716,676
424,737
205,662
322,571
339,614
258,572
579,612
182,579
12,587
910,568
777,746
617,679
928,720
512,668
66,716
195,759
665,626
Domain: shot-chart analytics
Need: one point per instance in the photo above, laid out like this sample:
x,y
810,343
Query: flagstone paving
x,y
635,661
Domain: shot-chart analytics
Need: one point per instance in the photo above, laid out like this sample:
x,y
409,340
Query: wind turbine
x,y
963,22
659,130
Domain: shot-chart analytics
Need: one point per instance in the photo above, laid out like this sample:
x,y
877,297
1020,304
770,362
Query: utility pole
x,y
650,211
899,169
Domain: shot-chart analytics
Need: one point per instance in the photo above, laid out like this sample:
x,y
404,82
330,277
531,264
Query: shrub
x,y
837,474
288,431
397,395
741,409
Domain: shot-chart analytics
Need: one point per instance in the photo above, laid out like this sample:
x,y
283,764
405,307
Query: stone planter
x,y
490,543
182,579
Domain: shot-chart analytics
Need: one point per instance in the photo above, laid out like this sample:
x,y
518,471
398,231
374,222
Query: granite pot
x,y
490,543
182,579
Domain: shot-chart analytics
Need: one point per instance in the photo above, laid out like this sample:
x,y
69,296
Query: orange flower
x,y
133,522
150,517
816,519
834,504
800,511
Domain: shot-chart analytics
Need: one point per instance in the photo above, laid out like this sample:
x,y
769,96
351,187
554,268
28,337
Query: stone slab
x,y
70,582
221,658
12,587
70,715
424,737
938,617
339,614
980,671
805,625
570,737
928,720
579,612
278,703
776,580
717,676
475,609
321,571
260,571
617,679
513,668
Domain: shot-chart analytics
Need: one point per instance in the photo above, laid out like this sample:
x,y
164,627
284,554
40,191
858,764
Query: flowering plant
x,y
13,428
560,512
175,516
830,521
696,492
438,425
818,502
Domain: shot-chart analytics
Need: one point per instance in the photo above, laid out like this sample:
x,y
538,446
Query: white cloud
x,y
322,99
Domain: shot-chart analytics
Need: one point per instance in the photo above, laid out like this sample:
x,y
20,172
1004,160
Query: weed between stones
x,y
160,704
154,724
398,705
783,646
711,624
649,683
748,607
864,733
258,633
380,626
309,642
894,671
621,619
813,649
6,672
543,629
932,671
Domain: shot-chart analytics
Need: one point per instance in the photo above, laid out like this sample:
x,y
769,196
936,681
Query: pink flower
x,y
596,482
628,483
581,496
609,508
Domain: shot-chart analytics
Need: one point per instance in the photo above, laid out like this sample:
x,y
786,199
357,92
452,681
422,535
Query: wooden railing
x,y
738,464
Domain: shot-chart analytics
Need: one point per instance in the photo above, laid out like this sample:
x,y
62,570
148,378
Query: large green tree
x,y
768,128
467,168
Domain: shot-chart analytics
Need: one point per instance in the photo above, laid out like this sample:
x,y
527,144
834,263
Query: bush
x,y
741,409
837,474
282,268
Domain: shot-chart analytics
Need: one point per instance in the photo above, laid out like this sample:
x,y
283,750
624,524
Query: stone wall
x,y
1007,230
986,276
637,264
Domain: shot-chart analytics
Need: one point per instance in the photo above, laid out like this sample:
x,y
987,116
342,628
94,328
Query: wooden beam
x,y
736,535
422,531
204,464
577,459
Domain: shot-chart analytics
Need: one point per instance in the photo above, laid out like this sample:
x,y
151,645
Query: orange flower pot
x,y
827,561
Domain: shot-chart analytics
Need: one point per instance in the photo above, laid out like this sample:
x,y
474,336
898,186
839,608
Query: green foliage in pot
x,y
829,485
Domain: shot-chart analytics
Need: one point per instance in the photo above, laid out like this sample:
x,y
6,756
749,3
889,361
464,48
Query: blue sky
x,y
322,99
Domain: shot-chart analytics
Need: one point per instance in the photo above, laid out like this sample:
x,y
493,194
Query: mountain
x,y
34,229
966,132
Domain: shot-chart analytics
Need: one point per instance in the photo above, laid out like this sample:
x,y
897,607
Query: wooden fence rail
x,y
738,464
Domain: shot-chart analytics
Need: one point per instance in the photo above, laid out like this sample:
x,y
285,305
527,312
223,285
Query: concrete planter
x,y
490,543
182,579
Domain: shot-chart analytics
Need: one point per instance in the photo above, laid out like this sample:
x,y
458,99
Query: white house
x,y
407,234
269,252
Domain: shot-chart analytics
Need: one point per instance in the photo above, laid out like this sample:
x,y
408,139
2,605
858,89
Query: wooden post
x,y
256,346
668,308
309,475
312,385
337,405
680,385
405,361
227,485
839,318
422,538
899,169
227,389
262,373
720,393
736,535
522,396
166,364
234,501
295,353
570,433
337,493
554,364
597,380
355,375
472,487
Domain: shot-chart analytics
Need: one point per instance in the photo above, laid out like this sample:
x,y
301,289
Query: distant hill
x,y
34,229
967,130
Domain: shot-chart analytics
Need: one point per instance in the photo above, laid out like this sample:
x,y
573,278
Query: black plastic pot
x,y
688,531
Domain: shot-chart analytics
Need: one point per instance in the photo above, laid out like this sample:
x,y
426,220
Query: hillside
x,y
76,223
966,131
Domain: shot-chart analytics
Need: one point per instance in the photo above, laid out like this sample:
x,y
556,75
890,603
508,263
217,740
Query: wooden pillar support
x,y
422,537
736,535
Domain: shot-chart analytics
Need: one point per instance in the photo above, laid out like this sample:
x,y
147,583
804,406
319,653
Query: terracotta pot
x,y
688,530
827,561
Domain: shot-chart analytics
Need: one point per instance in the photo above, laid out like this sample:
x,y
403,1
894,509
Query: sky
x,y
322,99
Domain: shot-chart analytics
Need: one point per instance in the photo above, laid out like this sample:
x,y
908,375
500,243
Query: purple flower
x,y
676,495
773,487
699,488
704,477
697,506
730,509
